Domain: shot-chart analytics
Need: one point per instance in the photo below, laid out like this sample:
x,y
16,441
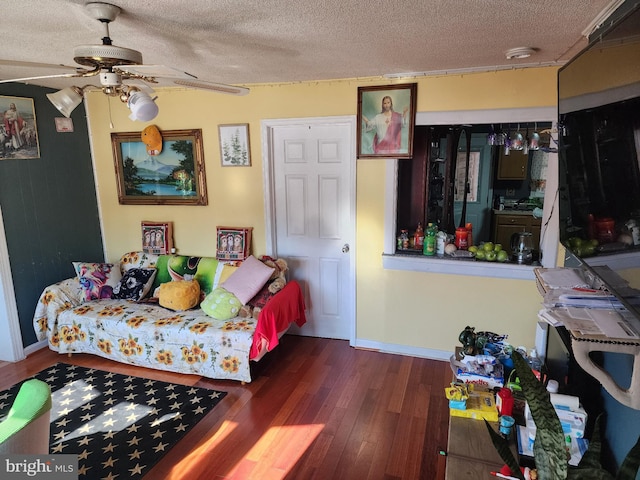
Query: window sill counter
x,y
441,264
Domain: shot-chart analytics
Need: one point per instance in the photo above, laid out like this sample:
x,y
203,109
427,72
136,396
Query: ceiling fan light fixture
x,y
519,52
66,100
142,106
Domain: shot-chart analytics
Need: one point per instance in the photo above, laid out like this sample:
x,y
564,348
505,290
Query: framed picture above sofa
x,y
176,176
233,243
157,237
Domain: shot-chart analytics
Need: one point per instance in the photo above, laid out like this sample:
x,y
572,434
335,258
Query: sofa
x,y
193,315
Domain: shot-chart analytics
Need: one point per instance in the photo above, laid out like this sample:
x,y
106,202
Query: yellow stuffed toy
x,y
152,138
179,295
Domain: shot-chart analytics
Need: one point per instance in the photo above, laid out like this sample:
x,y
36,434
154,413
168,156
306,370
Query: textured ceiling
x,y
271,41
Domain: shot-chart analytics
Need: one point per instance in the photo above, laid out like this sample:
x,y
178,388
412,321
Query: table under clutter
x,y
486,386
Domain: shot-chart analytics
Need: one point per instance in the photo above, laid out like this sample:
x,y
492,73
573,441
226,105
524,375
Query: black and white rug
x,y
118,425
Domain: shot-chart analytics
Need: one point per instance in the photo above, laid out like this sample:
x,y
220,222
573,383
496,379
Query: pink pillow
x,y
248,279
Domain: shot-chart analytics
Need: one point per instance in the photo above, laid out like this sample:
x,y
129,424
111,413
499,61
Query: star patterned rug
x,y
119,426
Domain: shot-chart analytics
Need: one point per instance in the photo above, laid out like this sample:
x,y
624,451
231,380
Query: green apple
x,y
480,255
491,255
497,247
473,249
488,246
503,256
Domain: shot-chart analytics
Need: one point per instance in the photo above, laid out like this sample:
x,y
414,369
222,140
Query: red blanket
x,y
283,309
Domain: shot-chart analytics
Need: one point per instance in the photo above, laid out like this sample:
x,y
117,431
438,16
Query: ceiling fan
x,y
113,65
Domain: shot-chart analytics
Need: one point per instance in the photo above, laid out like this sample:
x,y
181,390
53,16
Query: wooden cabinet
x,y
512,166
505,225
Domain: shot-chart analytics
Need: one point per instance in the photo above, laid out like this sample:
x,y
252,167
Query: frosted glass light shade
x,y
142,107
66,100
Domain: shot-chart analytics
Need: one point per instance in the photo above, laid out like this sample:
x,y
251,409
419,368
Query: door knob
x,y
345,248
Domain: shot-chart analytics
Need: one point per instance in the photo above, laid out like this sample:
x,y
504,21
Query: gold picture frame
x,y
174,177
386,120
19,133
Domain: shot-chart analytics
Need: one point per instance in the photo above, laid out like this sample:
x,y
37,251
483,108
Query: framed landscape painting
x,y
386,119
18,132
174,177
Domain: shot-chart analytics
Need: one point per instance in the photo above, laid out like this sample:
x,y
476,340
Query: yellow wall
x,y
411,309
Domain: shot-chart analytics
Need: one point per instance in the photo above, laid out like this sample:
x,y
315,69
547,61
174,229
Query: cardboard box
x,y
525,438
480,405
573,421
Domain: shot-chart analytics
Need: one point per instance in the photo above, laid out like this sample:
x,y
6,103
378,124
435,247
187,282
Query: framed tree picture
x,y
174,177
233,243
234,145
386,120
157,237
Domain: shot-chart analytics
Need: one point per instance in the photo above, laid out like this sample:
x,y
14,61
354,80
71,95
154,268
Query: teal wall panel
x,y
49,206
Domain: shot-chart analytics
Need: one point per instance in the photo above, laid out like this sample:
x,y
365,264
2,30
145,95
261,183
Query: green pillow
x,y
221,304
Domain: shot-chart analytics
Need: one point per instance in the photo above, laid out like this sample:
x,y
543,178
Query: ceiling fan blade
x,y
180,78
216,87
20,63
62,75
153,71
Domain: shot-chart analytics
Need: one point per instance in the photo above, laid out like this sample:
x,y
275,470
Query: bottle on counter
x,y
461,240
441,242
535,363
418,237
429,247
404,237
469,227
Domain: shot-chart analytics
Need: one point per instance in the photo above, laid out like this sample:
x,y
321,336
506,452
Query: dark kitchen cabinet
x,y
512,166
505,225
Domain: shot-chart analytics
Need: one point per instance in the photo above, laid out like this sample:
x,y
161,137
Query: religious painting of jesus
x,y
386,119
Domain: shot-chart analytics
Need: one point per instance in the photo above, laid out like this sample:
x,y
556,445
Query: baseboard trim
x,y
34,347
403,350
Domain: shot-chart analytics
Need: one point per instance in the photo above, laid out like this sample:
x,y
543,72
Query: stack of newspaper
x,y
579,301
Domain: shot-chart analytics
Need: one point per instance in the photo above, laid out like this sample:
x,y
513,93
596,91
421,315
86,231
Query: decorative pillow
x,y
248,279
97,280
179,295
221,304
226,271
134,284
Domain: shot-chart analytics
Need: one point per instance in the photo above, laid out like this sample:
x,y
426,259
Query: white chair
x,y
26,428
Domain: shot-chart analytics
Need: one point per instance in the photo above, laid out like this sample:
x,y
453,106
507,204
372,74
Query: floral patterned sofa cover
x,y
146,334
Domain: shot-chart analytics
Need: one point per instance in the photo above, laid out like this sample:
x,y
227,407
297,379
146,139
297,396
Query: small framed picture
x,y
234,145
386,119
157,237
64,124
233,243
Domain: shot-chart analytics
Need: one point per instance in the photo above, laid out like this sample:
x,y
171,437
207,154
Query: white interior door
x,y
312,167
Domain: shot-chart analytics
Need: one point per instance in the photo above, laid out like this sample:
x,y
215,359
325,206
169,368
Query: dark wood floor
x,y
317,409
